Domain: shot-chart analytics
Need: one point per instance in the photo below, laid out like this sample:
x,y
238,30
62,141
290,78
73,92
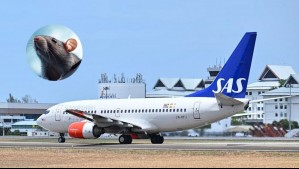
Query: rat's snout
x,y
39,39
40,43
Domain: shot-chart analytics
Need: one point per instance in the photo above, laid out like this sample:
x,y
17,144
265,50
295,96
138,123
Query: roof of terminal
x,y
172,83
25,123
17,108
284,91
279,72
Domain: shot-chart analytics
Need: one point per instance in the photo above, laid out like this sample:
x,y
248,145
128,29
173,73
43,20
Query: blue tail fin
x,y
232,81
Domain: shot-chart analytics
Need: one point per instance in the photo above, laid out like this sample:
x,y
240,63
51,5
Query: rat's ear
x,y
70,45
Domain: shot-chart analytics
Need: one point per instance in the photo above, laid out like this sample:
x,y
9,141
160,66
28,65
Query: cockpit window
x,y
47,112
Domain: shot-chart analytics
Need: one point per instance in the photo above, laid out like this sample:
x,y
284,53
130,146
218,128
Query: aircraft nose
x,y
40,120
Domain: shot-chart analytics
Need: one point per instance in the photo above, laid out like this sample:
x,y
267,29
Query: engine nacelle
x,y
85,130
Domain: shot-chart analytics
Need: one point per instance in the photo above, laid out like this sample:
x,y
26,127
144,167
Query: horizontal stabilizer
x,y
226,101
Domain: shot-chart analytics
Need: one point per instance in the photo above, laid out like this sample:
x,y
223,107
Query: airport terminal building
x,y
283,108
11,113
272,78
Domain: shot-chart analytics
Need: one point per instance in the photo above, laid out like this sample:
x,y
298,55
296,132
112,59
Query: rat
x,y
57,60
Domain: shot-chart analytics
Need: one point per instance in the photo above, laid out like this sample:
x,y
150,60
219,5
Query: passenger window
x,y
185,110
170,110
166,110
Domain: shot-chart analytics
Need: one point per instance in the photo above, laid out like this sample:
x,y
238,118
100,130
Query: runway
x,y
225,146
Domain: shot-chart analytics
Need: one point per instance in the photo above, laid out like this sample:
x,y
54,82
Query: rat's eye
x,y
54,40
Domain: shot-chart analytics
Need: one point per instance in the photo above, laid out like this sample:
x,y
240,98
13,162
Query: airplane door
x,y
58,114
196,112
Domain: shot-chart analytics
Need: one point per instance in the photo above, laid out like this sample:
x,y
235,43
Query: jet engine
x,y
85,130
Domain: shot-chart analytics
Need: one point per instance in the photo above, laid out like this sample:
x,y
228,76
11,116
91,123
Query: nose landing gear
x,y
61,139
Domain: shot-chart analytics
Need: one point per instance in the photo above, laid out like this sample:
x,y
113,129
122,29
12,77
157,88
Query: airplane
x,y
224,98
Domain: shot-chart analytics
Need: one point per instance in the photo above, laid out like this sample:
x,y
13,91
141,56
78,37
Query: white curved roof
x,y
293,79
267,85
280,72
187,84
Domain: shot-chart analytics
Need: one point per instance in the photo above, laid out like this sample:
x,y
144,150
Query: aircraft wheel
x,y
125,139
61,140
156,139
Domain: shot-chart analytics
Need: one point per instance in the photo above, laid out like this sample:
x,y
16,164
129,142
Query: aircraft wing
x,y
104,122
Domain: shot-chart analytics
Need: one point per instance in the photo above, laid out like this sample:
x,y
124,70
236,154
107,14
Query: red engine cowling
x,y
84,130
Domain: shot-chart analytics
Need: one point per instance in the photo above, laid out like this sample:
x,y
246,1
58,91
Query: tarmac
x,y
267,145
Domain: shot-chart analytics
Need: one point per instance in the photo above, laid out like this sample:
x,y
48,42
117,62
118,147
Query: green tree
x,y
25,99
12,99
282,82
285,124
28,99
236,122
17,133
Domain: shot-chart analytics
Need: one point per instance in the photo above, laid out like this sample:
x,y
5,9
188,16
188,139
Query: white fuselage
x,y
152,115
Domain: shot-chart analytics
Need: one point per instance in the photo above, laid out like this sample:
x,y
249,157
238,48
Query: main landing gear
x,y
125,139
61,139
157,139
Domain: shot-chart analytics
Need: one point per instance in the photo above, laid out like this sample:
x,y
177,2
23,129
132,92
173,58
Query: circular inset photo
x,y
54,52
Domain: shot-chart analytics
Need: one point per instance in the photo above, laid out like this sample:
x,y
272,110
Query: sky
x,y
158,38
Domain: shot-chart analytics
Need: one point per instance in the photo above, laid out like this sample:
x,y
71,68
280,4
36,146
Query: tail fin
x,y
232,81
